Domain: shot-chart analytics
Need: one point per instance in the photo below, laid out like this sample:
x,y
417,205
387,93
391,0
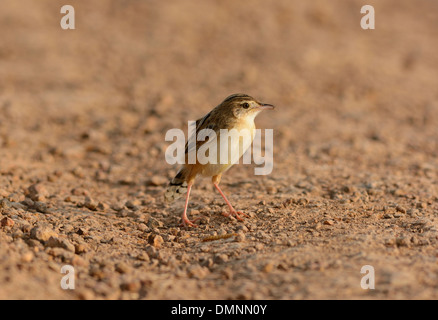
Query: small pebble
x,y
27,257
154,223
42,233
155,240
122,267
7,222
90,204
56,242
400,209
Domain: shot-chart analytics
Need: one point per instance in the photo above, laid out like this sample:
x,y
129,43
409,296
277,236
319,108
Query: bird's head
x,y
243,106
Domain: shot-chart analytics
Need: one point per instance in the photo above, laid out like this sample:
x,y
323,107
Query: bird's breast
x,y
229,147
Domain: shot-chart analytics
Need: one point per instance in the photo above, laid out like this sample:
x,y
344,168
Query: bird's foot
x,y
187,223
236,214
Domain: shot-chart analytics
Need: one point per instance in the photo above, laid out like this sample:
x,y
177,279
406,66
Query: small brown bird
x,y
235,112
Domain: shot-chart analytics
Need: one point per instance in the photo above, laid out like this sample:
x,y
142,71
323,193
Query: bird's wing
x,y
201,124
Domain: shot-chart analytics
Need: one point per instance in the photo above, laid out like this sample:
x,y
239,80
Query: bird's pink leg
x,y
185,221
233,212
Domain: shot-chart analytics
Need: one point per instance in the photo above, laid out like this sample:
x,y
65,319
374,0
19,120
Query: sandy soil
x,y
83,114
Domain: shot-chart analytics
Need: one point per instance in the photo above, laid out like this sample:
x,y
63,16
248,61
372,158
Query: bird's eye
x,y
245,105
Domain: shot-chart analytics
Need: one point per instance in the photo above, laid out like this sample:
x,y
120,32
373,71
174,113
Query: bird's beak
x,y
266,106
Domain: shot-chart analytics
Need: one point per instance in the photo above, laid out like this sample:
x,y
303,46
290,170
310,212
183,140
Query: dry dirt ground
x,y
84,112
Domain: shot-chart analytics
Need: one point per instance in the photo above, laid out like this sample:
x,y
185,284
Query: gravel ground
x,y
83,115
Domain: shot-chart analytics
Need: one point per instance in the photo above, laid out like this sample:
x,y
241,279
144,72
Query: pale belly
x,y
226,154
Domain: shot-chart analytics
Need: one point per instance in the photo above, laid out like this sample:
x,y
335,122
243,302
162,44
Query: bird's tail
x,y
177,186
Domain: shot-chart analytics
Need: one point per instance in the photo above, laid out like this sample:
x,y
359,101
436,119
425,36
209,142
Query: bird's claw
x,y
236,214
187,223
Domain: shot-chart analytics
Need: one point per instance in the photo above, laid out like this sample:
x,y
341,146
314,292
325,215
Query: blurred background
x,y
355,133
133,69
